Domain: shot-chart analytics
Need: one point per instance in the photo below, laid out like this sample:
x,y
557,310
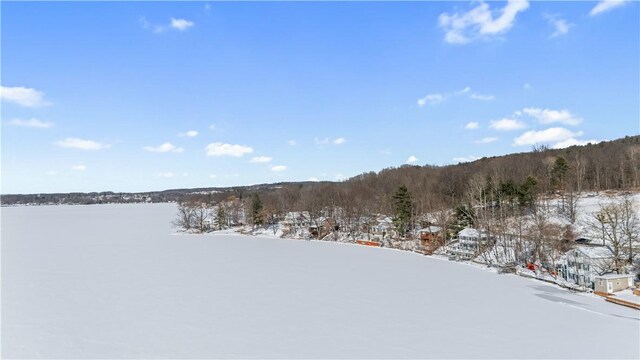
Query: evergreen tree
x,y
256,210
403,210
221,217
559,172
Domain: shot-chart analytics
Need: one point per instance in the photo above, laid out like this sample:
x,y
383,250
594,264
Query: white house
x,y
469,243
582,264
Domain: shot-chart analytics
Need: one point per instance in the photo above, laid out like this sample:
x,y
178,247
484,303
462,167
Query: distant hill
x,y
606,165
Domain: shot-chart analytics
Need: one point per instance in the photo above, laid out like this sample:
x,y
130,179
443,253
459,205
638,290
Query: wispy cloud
x,y
412,160
32,123
292,142
480,22
190,133
482,97
51,173
550,135
81,144
472,125
561,26
320,141
221,149
339,141
166,147
548,116
23,96
166,175
506,124
313,178
260,159
174,24
213,176
79,168
437,98
486,140
606,5
278,168
431,99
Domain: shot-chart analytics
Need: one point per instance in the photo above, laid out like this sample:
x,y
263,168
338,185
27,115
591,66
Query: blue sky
x,y
149,96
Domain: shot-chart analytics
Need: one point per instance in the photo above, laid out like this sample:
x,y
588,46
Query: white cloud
x,y
321,141
81,144
292,142
561,26
221,149
526,86
486,140
506,124
175,24
571,142
181,24
166,147
434,99
469,158
260,159
412,159
548,116
33,123
212,176
472,125
339,177
313,178
23,96
431,99
479,22
279,168
207,7
190,133
482,97
212,127
51,173
166,175
385,152
606,5
339,141
555,134
79,167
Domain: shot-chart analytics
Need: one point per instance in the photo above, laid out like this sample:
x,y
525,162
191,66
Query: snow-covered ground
x,y
112,281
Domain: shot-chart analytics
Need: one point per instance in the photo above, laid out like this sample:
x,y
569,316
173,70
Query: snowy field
x,y
111,281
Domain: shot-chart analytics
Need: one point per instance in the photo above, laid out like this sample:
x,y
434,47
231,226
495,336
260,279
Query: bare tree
x,y
184,217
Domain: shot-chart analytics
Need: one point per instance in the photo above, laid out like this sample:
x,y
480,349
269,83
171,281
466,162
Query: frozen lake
x,y
111,281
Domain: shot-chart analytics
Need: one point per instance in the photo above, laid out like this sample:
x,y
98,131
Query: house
x,y
431,238
582,264
609,283
322,226
295,220
468,243
383,226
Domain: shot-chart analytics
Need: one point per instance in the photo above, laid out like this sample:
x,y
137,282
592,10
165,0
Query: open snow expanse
x,y
112,281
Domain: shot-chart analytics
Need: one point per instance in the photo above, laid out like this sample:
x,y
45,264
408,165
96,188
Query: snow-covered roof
x,y
598,252
614,276
469,232
431,229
